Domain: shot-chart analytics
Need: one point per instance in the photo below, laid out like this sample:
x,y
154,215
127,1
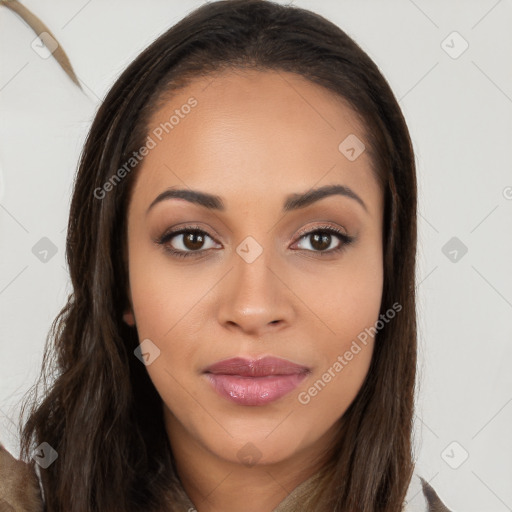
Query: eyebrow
x,y
292,202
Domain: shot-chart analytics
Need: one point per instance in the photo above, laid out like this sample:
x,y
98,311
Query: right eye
x,y
187,241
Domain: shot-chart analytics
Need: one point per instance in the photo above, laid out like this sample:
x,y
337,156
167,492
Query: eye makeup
x,y
194,234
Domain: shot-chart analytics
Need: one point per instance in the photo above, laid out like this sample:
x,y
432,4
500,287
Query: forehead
x,y
264,131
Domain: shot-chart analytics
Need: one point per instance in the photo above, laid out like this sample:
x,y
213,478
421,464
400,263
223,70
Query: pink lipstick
x,y
255,381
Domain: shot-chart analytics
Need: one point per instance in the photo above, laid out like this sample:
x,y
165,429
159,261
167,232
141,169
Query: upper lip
x,y
256,367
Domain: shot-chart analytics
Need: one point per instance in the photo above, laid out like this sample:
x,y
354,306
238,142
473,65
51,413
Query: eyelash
x,y
169,235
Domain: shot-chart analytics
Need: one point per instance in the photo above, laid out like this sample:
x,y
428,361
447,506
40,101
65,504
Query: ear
x,y
128,317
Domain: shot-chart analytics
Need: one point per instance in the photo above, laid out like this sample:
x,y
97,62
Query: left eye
x,y
324,240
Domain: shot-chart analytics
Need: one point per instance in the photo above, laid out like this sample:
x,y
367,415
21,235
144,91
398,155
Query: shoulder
x,y
19,485
422,497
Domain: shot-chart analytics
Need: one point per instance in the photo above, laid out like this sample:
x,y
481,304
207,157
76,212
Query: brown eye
x,y
324,240
187,242
320,241
193,240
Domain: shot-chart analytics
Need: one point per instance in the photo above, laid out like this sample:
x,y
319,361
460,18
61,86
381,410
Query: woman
x,y
241,333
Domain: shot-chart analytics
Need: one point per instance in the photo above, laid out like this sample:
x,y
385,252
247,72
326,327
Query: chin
x,y
259,447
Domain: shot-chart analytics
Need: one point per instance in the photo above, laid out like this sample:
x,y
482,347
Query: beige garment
x,y
19,491
421,497
19,486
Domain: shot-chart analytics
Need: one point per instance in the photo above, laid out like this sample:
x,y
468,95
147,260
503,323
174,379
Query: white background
x,y
459,111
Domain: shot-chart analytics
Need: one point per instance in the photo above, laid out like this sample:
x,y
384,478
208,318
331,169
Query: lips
x,y
255,381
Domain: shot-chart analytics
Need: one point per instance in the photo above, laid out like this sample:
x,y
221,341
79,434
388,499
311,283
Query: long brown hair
x,y
99,410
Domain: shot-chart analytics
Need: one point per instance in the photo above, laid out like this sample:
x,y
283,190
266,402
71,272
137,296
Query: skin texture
x,y
254,138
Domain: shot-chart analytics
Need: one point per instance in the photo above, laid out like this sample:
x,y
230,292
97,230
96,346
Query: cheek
x,y
163,294
348,302
165,304
345,357
346,298
168,304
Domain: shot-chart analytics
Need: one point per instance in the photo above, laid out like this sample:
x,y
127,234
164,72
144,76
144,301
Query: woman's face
x,y
259,270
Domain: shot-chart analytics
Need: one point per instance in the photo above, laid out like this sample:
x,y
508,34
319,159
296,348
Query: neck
x,y
216,484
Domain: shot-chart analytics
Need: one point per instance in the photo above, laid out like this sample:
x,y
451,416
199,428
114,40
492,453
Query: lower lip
x,y
254,390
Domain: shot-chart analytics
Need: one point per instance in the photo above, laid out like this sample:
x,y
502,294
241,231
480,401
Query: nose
x,y
255,298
